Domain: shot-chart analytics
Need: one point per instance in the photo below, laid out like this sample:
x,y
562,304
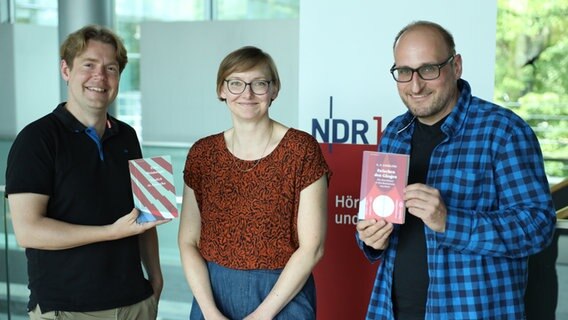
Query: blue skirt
x,y
237,293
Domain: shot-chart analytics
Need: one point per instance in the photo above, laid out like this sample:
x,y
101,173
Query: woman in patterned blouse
x,y
253,219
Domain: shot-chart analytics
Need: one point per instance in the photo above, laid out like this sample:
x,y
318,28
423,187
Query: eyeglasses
x,y
258,87
425,72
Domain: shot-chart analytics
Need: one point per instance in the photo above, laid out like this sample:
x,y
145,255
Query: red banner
x,y
344,277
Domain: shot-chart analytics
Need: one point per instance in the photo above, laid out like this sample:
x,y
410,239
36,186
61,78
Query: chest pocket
x,y
469,189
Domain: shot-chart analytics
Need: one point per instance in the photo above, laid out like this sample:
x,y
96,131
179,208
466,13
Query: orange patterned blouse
x,y
248,219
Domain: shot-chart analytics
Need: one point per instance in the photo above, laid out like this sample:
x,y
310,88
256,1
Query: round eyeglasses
x,y
425,72
258,87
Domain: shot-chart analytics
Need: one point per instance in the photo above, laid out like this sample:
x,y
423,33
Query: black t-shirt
x,y
86,185
410,275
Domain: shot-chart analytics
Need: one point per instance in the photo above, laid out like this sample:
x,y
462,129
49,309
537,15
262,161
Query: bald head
x,y
434,32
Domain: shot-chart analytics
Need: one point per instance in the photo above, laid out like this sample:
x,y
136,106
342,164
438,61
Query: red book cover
x,y
153,188
383,179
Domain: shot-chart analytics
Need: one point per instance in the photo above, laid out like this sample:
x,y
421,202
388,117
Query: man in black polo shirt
x,y
68,188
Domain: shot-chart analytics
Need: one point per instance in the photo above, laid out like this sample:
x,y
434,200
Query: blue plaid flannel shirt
x,y
489,171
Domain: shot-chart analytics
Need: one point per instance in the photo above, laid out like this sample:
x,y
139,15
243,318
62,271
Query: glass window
x,y
40,12
530,73
256,9
131,13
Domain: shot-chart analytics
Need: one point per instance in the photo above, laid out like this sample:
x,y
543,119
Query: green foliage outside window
x,y
531,72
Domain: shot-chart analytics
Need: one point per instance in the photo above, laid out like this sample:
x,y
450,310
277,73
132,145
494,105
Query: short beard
x,y
437,107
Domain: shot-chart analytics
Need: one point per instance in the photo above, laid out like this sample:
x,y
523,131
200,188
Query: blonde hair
x,y
76,43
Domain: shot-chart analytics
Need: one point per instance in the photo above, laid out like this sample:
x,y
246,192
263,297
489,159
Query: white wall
x,y
29,75
179,63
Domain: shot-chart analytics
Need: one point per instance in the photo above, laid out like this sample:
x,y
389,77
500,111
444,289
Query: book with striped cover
x,y
153,188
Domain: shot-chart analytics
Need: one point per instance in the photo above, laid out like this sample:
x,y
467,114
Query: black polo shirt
x,y
88,183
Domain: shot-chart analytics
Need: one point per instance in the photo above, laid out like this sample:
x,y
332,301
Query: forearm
x,y
150,256
197,276
50,234
34,229
291,281
513,232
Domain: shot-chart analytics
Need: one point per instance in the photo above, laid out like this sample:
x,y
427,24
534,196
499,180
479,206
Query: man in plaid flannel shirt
x,y
478,201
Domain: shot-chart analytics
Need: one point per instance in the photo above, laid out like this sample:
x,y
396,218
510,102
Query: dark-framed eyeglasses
x,y
258,87
425,72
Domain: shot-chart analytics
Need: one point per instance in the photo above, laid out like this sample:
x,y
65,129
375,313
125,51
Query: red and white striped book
x,y
153,188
